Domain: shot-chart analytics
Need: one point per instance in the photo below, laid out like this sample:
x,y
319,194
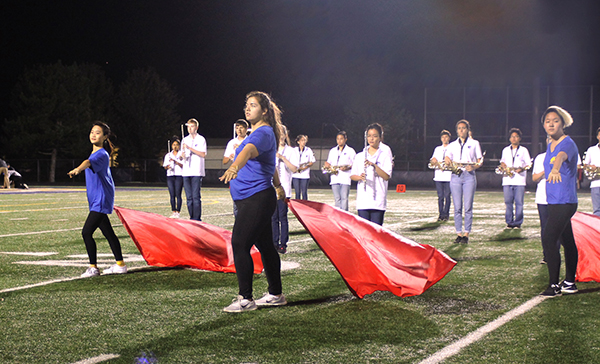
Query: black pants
x,y
94,221
557,232
253,227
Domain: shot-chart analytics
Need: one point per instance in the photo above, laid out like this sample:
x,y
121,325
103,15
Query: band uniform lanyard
x,y
461,147
514,155
340,154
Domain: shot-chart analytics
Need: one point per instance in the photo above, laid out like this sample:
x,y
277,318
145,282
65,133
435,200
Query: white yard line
x,y
98,359
478,334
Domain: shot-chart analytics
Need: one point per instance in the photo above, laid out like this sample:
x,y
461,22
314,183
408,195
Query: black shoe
x,y
464,240
281,249
543,261
568,287
553,290
458,240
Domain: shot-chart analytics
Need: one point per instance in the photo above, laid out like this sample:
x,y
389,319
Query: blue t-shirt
x,y
99,183
257,174
565,191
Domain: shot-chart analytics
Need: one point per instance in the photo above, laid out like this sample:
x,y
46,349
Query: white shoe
x,y
90,272
271,300
240,304
115,269
178,215
173,216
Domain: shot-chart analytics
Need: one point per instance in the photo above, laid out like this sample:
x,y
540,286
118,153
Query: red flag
x,y
368,257
586,230
166,242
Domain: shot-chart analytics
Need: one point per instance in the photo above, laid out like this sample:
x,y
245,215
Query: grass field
x,y
174,315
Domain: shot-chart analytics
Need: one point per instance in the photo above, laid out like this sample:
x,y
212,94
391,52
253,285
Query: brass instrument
x,y
439,165
334,170
590,171
458,168
303,165
510,171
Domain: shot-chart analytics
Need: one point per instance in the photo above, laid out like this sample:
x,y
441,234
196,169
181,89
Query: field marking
x,y
97,359
40,232
478,334
34,254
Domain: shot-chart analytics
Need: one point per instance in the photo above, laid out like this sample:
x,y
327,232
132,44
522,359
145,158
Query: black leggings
x,y
557,232
253,227
94,221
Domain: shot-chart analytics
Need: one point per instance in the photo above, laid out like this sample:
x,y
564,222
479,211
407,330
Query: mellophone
x,y
510,171
455,167
333,169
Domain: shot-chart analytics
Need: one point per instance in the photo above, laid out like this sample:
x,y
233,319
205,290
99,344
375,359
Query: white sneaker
x,y
178,215
271,300
173,216
91,272
115,269
240,304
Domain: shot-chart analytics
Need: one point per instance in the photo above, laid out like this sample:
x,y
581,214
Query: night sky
x,y
315,57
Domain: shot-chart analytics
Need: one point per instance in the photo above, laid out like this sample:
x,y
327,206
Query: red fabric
x,y
166,242
586,229
368,257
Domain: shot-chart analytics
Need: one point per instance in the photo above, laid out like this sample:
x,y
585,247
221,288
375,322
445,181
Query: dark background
x,y
315,57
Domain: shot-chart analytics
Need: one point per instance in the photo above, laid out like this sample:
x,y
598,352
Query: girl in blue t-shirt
x,y
101,198
252,175
560,168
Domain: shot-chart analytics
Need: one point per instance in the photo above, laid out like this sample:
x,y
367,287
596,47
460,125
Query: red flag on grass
x,y
166,242
586,229
368,257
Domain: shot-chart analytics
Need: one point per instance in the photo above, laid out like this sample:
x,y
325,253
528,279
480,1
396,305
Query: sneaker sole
x,y
240,310
271,304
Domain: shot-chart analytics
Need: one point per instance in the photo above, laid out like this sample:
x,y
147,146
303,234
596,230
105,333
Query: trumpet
x,y
303,165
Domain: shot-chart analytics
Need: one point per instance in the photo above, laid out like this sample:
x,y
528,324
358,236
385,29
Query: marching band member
x,y
514,163
302,176
338,164
592,161
193,148
538,176
465,152
442,177
241,128
560,168
173,163
372,169
286,163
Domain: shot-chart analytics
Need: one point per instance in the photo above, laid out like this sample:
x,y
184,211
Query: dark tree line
x,y
53,107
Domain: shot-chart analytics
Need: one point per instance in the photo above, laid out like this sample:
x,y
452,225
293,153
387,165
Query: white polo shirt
x,y
285,175
515,158
469,152
374,196
344,157
232,146
439,153
169,160
193,164
540,192
592,156
305,156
